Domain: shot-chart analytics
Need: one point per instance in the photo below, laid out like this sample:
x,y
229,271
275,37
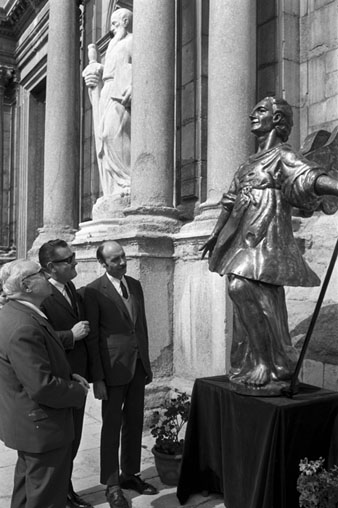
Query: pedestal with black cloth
x,y
249,448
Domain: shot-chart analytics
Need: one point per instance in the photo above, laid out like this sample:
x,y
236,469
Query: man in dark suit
x,y
65,311
37,391
114,305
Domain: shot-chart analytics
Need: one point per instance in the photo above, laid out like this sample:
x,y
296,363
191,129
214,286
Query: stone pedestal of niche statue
x,y
109,87
253,245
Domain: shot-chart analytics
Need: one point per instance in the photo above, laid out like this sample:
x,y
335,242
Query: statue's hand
x,y
92,74
209,245
126,97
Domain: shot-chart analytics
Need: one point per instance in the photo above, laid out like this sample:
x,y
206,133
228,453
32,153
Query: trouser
x,y
41,480
78,416
122,416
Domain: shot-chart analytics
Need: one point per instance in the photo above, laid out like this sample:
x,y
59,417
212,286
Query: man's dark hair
x,y
284,126
47,251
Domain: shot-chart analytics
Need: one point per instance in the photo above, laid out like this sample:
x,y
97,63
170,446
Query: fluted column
x,y
152,136
231,92
6,73
61,162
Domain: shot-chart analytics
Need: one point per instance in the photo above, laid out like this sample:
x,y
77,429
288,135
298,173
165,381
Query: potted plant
x,y
318,487
167,429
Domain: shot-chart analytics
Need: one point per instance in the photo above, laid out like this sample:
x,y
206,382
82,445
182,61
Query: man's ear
x,y
25,284
49,267
125,21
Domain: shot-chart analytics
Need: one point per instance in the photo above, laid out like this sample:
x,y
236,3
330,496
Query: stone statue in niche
x,y
110,89
253,244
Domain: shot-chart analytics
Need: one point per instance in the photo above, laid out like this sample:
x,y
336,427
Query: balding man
x,y
38,391
115,309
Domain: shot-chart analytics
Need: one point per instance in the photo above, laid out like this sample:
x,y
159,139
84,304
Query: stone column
x,y
231,93
62,143
204,341
152,135
6,74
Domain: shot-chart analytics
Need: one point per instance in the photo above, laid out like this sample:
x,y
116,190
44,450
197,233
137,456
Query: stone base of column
x,y
47,233
204,222
110,207
202,314
151,220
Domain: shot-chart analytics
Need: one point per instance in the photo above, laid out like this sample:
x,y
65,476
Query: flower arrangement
x,y
318,487
168,423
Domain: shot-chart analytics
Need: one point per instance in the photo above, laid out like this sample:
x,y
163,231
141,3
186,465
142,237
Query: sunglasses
x,y
68,260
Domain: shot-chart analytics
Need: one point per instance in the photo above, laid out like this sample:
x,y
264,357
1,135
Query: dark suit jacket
x,y
36,390
63,317
121,341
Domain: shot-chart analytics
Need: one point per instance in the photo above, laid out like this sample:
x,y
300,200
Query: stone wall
x,y
317,235
318,65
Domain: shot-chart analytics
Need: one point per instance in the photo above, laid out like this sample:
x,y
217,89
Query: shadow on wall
x,y
323,346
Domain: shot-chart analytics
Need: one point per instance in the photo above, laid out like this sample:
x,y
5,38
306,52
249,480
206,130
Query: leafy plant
x,y
168,423
318,487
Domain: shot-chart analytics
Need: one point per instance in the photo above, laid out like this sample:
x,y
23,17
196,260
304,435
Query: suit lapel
x,y
41,320
62,300
109,290
134,298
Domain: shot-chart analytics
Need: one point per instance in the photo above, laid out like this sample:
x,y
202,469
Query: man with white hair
x,y
37,391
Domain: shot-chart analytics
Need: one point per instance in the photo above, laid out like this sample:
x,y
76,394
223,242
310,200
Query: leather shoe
x,y
75,501
135,482
115,498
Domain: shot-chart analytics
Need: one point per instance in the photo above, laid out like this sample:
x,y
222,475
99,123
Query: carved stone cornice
x,y
7,73
15,15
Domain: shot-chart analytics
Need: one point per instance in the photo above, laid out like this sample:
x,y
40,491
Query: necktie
x,y
66,295
124,290
71,299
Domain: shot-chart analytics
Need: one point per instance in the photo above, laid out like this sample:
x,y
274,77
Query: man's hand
x,y
82,381
92,74
100,390
209,245
80,330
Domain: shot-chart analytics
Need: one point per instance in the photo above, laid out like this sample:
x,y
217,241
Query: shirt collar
x,y
116,282
33,307
58,285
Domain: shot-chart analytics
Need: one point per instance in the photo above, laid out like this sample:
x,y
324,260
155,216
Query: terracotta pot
x,y
168,467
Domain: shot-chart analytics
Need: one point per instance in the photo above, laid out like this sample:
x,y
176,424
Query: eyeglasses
x,y
68,260
40,272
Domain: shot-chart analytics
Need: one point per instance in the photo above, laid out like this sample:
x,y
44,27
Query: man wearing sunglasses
x,y
38,391
65,312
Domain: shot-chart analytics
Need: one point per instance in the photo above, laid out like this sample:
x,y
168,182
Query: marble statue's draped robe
x,y
257,245
115,120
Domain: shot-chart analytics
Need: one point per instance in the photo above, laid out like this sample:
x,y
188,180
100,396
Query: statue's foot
x,y
259,376
281,374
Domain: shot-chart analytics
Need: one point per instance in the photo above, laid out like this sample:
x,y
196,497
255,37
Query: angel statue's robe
x,y
257,250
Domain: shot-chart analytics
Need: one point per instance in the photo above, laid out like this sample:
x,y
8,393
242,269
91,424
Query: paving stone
x,y
86,478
